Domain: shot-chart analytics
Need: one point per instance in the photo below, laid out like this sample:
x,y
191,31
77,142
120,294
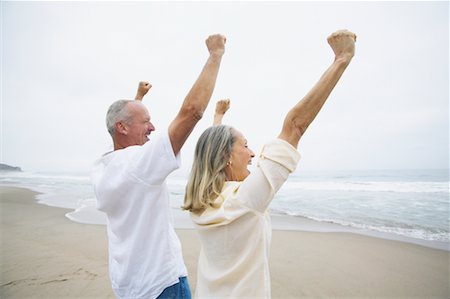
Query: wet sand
x,y
45,255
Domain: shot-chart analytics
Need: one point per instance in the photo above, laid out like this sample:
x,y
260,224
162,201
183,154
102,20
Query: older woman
x,y
229,205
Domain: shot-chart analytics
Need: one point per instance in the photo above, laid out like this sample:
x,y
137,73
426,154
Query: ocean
x,y
406,203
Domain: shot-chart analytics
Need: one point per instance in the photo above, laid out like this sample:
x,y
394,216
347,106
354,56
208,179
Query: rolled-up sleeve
x,y
155,160
277,160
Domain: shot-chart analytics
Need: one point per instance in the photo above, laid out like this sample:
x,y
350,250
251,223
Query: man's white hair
x,y
118,111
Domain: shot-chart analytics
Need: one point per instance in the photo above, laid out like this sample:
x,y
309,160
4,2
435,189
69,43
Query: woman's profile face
x,y
241,156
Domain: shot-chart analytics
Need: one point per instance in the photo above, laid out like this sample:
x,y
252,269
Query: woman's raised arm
x,y
303,113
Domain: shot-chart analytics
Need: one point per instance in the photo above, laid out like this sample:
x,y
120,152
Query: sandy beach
x,y
45,255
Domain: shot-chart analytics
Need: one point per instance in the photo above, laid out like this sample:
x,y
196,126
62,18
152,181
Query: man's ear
x,y
121,128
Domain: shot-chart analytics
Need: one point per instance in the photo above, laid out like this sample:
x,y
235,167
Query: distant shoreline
x,y
9,168
280,222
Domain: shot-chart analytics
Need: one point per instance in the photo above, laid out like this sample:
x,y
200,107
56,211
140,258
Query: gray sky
x,y
64,63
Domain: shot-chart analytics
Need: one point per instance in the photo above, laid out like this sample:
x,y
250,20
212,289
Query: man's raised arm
x,y
143,88
198,97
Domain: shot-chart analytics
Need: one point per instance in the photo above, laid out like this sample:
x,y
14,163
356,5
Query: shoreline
x,y
280,222
297,223
45,254
423,227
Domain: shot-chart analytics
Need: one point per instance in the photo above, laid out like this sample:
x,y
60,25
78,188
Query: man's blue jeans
x,y
180,290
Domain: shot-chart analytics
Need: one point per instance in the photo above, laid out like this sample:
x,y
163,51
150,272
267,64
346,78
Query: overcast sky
x,y
64,63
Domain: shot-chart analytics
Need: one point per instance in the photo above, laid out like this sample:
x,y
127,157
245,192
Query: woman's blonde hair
x,y
212,153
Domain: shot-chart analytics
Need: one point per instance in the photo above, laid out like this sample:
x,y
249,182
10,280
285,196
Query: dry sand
x,y
45,255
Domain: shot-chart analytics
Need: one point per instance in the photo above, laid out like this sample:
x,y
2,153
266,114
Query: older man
x,y
145,258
